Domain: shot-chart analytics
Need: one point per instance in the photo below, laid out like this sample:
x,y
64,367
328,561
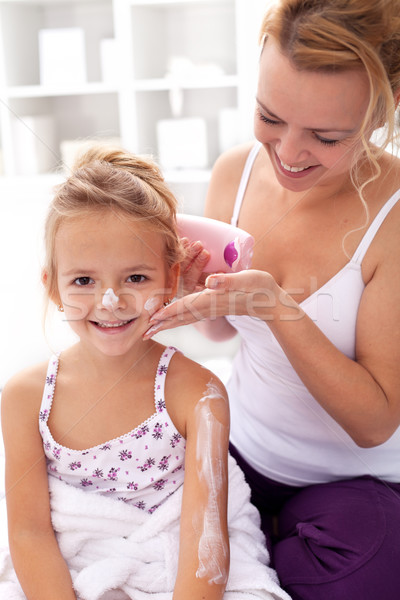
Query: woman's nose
x,y
290,148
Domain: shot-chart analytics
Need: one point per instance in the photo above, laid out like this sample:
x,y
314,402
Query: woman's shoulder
x,y
387,186
384,250
229,166
235,157
225,180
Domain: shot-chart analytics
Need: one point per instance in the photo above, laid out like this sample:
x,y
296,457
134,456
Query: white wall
x,y
23,205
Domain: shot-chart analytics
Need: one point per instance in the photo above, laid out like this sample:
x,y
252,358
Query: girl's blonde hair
x,y
107,178
338,35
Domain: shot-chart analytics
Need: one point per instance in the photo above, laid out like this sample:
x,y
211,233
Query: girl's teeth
x,y
293,169
109,325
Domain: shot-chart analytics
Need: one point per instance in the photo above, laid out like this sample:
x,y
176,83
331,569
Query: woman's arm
x,y
192,279
39,565
204,545
362,395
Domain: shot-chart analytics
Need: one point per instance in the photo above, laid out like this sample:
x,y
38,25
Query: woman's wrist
x,y
273,304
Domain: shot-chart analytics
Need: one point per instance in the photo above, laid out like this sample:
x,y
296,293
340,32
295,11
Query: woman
x,y
314,392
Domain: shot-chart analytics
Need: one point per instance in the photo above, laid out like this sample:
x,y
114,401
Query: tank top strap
x,y
243,182
161,374
49,387
373,228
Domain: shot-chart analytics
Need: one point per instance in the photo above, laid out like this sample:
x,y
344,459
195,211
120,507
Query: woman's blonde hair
x,y
107,178
338,35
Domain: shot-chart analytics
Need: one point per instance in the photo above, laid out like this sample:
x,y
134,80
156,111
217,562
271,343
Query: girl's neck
x,y
98,366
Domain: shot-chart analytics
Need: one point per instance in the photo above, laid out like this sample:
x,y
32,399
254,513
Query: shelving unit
x,y
190,59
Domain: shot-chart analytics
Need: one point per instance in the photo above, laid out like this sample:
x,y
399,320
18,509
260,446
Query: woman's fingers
x,y
225,294
184,311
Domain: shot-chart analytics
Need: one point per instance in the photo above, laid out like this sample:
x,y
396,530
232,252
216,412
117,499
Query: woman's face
x,y
309,122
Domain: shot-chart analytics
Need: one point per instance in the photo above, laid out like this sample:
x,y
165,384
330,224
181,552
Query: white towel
x,y
109,545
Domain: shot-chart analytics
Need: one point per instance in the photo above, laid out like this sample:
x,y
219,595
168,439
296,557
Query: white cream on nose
x,y
110,299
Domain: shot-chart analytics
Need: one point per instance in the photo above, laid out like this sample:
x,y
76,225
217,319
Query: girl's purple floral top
x,y
142,467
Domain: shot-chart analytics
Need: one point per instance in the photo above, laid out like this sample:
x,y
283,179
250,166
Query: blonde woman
x,y
314,394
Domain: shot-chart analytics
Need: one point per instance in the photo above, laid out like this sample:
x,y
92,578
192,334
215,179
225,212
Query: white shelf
x,y
147,3
166,83
200,49
42,91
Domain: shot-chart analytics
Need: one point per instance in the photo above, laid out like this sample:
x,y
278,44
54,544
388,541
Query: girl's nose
x,y
109,300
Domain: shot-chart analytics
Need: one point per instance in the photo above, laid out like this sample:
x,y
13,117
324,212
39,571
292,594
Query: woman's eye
x,y
327,142
136,278
83,281
266,120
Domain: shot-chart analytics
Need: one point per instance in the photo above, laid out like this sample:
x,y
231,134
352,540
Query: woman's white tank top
x,y
277,426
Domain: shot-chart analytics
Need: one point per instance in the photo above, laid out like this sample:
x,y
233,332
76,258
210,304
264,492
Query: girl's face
x,y
308,122
95,253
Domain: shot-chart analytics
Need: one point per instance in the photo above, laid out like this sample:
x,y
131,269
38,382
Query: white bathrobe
x,y
114,550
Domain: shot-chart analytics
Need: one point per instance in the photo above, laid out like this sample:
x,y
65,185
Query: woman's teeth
x,y
110,325
293,169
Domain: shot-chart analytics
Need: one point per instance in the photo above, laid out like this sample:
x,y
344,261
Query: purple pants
x,y
334,541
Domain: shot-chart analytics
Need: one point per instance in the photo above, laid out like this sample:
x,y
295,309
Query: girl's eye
x,y
136,278
83,281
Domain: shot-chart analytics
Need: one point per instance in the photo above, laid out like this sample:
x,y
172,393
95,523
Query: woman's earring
x,y
167,302
60,308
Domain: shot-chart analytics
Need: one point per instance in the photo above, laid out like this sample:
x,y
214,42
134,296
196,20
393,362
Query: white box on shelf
x,y
228,128
62,56
35,150
182,143
109,60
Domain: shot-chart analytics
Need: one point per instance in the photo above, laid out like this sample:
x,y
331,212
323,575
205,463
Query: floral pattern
x,y
142,467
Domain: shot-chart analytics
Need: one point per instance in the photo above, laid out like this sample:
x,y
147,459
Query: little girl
x,y
116,417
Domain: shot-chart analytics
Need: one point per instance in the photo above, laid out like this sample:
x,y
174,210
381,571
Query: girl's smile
x,y
112,327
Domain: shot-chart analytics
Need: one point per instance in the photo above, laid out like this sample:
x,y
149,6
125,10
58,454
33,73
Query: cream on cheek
x,y
152,304
211,433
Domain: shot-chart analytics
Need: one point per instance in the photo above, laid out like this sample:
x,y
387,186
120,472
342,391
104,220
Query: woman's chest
x,y
301,247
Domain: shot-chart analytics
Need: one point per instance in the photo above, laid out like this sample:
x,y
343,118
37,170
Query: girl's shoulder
x,y
26,386
187,384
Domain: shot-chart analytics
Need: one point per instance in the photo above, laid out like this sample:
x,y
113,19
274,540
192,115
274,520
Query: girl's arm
x,y
39,565
204,545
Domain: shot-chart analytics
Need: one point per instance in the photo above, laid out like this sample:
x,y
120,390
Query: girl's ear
x,y
54,297
44,277
173,278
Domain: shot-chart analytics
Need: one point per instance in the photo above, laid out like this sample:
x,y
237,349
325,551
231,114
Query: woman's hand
x,y
192,274
253,293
